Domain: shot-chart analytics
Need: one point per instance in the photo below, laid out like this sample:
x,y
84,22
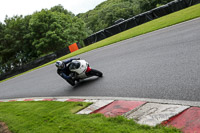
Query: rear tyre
x,y
94,72
99,74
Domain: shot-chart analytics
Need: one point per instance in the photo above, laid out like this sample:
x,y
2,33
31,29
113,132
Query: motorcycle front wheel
x,y
71,82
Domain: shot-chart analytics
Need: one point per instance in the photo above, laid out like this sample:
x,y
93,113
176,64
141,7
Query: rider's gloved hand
x,y
73,76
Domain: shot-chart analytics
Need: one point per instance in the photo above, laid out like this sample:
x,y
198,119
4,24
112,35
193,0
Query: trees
x,y
2,46
146,5
59,8
106,13
23,39
55,30
11,41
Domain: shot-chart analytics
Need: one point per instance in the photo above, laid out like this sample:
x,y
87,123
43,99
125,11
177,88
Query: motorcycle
x,y
80,69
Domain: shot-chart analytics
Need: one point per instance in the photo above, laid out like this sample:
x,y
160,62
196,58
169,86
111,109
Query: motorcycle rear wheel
x,y
94,72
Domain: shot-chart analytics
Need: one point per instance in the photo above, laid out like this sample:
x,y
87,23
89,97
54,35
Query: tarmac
x,y
184,115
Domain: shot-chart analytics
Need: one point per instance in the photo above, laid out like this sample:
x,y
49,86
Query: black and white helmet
x,y
60,64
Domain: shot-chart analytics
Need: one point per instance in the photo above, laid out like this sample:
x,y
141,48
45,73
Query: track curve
x,y
163,64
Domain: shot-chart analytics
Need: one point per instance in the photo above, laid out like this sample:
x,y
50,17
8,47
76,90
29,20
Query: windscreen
x,y
74,65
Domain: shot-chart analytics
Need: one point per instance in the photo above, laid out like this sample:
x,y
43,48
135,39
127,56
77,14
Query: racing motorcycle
x,y
80,69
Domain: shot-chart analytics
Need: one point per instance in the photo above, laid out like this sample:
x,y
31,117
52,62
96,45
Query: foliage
x,y
23,39
59,8
54,30
105,14
12,42
58,117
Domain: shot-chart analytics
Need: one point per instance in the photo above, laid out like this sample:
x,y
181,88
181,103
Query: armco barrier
x,y
95,37
37,62
140,19
192,2
29,66
131,22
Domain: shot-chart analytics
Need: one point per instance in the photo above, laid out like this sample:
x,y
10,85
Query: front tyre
x,y
71,82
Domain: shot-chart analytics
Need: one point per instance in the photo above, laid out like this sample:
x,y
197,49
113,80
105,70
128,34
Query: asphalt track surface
x,y
163,64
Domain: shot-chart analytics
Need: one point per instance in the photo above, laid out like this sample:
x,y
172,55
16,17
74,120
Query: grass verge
x,y
168,20
59,117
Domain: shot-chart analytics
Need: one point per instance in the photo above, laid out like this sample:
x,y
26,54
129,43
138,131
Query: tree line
x,y
106,13
26,38
23,39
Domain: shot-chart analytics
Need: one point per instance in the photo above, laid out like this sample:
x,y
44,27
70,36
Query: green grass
x,y
59,117
168,20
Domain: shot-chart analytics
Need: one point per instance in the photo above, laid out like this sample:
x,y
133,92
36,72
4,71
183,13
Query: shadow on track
x,y
85,83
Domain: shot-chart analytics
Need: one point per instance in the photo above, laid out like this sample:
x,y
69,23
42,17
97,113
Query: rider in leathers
x,y
63,70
